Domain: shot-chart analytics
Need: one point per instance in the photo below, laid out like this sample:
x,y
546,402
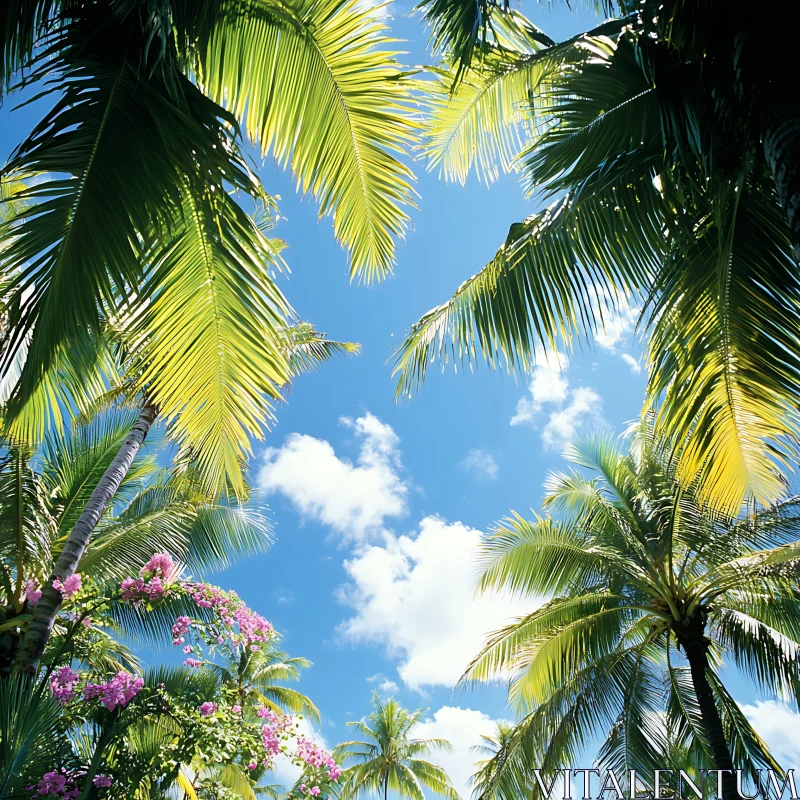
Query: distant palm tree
x,y
389,758
650,591
254,676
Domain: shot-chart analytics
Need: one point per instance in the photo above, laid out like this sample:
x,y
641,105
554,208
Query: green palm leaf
x,y
317,83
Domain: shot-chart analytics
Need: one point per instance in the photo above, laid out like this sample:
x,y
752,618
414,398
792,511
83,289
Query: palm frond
x,y
317,83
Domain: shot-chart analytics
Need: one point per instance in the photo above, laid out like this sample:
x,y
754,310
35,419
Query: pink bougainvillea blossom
x,y
119,691
33,592
193,663
207,709
270,739
102,781
236,709
62,684
59,783
160,566
252,765
68,588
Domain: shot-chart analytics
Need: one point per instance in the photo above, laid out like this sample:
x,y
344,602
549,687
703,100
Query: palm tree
x,y
254,676
301,346
43,493
651,592
748,73
389,759
662,203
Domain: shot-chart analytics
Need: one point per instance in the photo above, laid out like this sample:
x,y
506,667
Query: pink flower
x,y
193,663
335,772
207,709
314,790
266,713
33,592
52,783
68,588
270,739
252,765
188,649
102,781
236,709
180,629
161,567
62,684
119,691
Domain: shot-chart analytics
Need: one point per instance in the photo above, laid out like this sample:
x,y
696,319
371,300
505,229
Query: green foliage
x,y
632,562
388,759
663,205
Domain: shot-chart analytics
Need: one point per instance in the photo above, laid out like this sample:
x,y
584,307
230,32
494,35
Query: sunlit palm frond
x,y
209,340
317,83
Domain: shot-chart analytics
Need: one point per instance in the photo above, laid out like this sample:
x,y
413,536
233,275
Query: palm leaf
x,y
315,82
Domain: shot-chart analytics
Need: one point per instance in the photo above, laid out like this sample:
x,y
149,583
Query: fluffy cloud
x,y
354,499
463,728
482,465
634,364
618,324
567,410
777,724
383,684
416,596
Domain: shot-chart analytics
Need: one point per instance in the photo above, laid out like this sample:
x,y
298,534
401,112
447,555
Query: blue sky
x,y
376,505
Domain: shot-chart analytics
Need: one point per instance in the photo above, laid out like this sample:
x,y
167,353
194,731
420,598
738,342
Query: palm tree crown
x,y
388,759
650,590
255,677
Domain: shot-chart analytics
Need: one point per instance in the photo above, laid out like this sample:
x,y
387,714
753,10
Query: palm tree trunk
x,y
386,788
41,625
695,646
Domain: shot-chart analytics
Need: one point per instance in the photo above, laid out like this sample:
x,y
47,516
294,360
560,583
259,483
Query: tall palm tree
x,y
662,203
302,347
255,677
650,593
43,493
387,758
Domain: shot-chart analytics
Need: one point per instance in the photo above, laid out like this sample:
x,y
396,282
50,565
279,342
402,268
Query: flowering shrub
x,y
220,729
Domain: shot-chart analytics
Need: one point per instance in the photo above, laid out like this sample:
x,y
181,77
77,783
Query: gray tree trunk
x,y
38,632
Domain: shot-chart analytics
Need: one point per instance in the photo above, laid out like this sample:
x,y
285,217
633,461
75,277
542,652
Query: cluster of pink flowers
x,y
230,610
207,709
60,783
180,629
272,743
102,781
154,577
33,592
68,588
117,692
314,790
193,663
62,684
315,756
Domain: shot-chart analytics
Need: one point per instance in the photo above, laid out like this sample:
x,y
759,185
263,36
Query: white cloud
x,y
618,323
353,499
482,464
463,728
634,364
416,596
777,724
383,684
584,410
567,410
